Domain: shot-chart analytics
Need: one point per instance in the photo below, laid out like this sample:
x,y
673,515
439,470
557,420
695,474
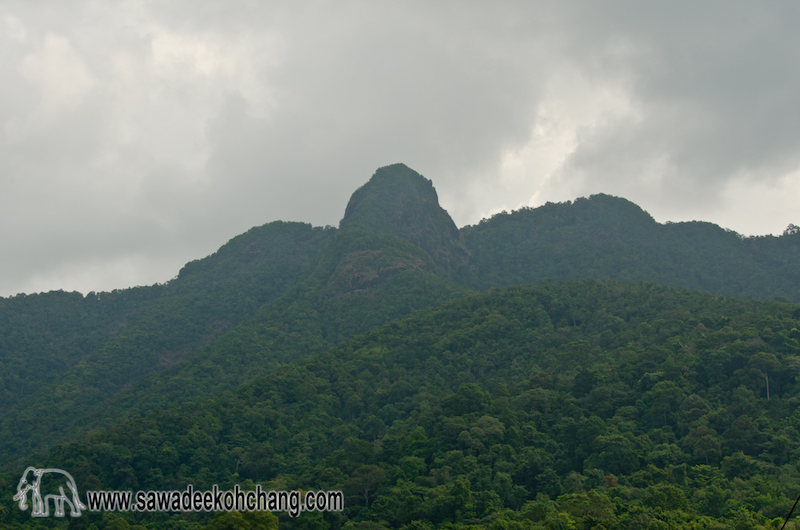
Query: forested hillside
x,y
273,295
469,413
611,238
64,354
568,405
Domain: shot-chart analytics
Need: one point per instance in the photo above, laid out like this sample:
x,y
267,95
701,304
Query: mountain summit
x,y
399,201
284,291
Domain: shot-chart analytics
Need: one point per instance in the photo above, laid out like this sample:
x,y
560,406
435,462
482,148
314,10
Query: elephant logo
x,y
44,485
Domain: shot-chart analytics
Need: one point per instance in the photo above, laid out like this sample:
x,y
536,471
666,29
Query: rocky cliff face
x,y
399,201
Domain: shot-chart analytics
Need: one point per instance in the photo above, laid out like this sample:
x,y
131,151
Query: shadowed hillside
x,y
272,295
609,237
567,405
284,291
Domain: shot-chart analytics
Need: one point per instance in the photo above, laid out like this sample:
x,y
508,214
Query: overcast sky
x,y
137,136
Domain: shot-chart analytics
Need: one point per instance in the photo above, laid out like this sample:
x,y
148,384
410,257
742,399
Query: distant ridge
x,y
608,237
284,291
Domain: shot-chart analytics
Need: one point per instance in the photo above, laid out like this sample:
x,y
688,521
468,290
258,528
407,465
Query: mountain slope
x,y
146,330
363,280
273,295
42,335
285,291
567,404
609,237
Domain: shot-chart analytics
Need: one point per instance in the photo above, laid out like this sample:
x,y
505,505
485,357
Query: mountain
x,y
285,291
399,201
289,358
272,295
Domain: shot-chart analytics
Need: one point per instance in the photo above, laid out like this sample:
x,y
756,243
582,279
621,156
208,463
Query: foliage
x,y
606,237
566,405
63,355
285,359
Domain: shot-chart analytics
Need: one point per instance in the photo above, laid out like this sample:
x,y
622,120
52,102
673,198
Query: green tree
x,y
765,362
591,504
665,397
365,480
707,446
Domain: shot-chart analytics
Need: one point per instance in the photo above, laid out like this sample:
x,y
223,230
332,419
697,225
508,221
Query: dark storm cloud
x,y
140,136
359,88
715,84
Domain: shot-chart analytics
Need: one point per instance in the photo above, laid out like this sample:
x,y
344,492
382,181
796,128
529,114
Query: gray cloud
x,y
140,136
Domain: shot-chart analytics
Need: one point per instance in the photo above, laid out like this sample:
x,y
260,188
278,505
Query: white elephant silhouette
x,y
46,484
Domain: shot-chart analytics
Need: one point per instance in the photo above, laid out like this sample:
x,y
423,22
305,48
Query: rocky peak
x,y
399,201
